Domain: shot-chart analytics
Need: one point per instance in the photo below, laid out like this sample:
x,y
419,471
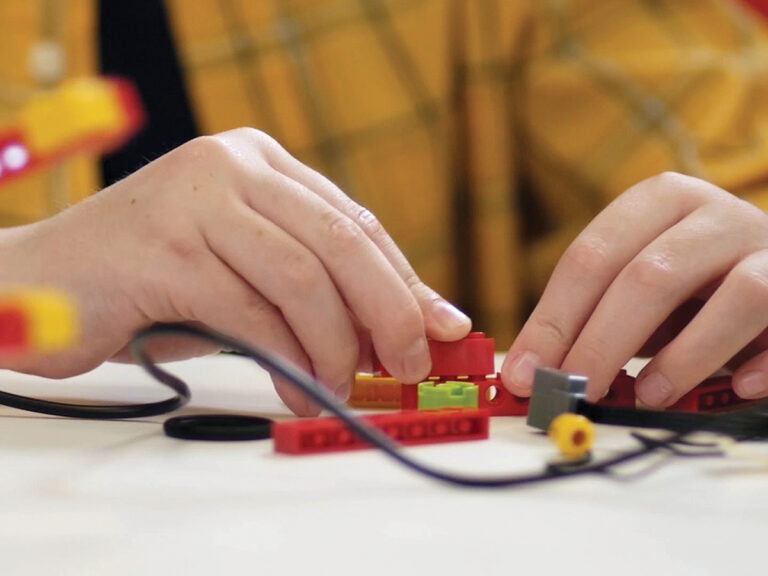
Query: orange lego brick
x,y
375,392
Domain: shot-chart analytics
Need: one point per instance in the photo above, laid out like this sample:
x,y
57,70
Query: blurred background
x,y
483,133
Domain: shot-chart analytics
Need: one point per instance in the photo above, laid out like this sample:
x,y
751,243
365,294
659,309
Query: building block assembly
x,y
320,435
463,378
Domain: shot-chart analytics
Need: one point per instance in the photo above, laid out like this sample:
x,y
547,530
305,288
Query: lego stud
x,y
573,434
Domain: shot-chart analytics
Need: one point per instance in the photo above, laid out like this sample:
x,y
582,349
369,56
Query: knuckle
x,y
405,322
369,223
652,273
667,180
425,296
592,350
187,250
587,256
268,147
258,137
303,273
748,213
206,147
342,233
751,279
689,191
553,331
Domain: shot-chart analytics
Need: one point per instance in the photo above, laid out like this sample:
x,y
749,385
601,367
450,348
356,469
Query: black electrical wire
x,y
103,411
746,423
314,390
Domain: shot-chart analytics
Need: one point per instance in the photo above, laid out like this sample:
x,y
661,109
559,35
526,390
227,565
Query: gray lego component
x,y
554,393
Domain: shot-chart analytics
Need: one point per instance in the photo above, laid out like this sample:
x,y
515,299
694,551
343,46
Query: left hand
x,y
675,266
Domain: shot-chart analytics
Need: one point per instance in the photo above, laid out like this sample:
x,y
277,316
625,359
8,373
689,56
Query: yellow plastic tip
x,y
573,434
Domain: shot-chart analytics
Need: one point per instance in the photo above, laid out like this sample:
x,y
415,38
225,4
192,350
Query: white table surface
x,y
91,497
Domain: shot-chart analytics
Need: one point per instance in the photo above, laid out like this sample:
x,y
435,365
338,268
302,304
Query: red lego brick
x,y
14,330
499,401
472,356
322,435
621,393
713,395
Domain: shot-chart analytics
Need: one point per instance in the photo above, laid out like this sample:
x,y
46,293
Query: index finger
x,y
443,320
590,265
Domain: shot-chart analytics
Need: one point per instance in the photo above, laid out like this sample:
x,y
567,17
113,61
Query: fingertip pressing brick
x,y
472,356
322,435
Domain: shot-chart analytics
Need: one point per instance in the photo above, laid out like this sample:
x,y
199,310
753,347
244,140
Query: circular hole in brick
x,y
579,437
492,394
416,430
464,426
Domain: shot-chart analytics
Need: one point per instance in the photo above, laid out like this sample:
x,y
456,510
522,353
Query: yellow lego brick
x,y
374,392
79,110
52,318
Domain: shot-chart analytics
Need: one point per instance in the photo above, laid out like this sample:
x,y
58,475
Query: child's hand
x,y
232,232
670,250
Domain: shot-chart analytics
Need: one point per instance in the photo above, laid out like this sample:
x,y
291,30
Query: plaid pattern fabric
x,y
484,133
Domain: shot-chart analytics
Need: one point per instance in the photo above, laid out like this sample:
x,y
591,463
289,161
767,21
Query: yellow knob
x,y
573,435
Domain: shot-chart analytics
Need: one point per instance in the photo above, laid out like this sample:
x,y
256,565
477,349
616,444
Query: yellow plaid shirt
x,y
484,133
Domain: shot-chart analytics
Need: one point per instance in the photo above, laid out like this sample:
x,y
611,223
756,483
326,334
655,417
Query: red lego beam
x,y
712,395
472,356
321,435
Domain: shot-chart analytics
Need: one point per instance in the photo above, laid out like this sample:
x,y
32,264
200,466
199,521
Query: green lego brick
x,y
436,396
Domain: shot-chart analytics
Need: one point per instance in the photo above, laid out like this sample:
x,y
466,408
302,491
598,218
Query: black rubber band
x,y
218,427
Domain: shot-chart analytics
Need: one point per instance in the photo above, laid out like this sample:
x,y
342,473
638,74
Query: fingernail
x,y
752,384
654,390
416,360
344,390
520,370
448,316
